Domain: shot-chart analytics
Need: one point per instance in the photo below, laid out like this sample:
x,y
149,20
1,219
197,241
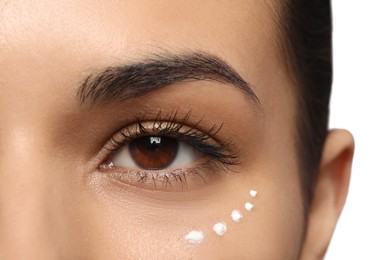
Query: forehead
x,y
101,30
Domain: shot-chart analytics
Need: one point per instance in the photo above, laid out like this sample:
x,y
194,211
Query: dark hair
x,y
307,44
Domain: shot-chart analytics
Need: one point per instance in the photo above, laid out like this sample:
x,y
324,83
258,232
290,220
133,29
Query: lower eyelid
x,y
173,180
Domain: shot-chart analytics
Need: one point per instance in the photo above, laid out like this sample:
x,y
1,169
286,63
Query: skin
x,y
55,201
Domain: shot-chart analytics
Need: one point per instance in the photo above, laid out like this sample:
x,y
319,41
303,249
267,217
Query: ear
x,y
330,193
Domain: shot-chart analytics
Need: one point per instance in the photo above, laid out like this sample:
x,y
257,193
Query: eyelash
x,y
220,154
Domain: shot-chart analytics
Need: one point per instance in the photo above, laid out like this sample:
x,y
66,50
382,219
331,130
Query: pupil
x,y
154,152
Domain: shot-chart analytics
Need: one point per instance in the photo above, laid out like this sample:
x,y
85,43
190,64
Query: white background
x,y
361,103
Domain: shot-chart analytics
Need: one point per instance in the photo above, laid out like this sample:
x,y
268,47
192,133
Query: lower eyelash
x,y
174,180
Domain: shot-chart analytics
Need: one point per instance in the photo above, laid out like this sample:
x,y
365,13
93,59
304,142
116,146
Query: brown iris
x,y
154,153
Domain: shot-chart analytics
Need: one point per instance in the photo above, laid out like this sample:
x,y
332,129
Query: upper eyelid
x,y
173,120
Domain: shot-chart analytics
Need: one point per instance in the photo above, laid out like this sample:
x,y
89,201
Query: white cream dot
x,y
253,193
194,237
249,206
220,228
237,216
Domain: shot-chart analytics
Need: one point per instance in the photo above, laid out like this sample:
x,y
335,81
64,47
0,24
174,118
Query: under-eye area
x,y
168,153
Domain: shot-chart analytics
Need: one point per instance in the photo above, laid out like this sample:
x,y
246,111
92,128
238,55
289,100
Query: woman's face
x,y
125,162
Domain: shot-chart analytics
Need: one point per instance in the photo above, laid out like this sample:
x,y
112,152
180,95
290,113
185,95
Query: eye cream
x,y
253,193
194,237
249,206
237,216
220,228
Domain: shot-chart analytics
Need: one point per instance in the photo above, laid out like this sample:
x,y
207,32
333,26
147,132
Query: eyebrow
x,y
116,84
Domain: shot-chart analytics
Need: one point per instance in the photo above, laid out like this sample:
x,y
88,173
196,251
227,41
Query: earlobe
x,y
330,193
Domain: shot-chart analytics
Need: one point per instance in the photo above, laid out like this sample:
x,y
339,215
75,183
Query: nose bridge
x,y
24,195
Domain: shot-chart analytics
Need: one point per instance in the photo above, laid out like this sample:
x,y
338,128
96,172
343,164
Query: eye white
x,y
185,156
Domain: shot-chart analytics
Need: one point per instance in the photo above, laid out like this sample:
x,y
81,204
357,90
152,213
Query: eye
x,y
167,154
155,153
